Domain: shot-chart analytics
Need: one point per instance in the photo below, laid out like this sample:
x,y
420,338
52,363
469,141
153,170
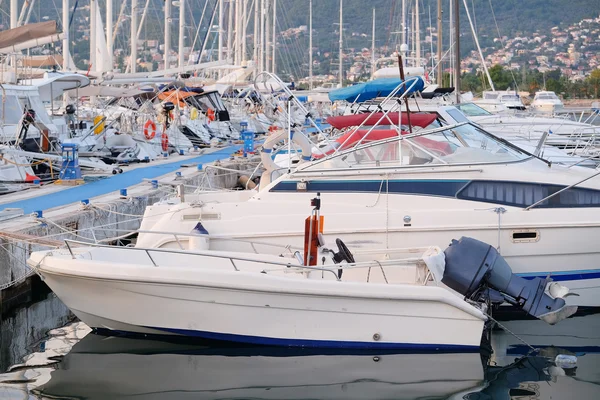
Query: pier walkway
x,y
112,183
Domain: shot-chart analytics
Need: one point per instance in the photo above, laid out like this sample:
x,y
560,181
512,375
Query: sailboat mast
x,y
457,51
418,34
438,74
181,32
14,13
221,15
341,49
109,32
310,46
133,38
230,31
65,43
256,34
274,41
373,47
167,33
244,30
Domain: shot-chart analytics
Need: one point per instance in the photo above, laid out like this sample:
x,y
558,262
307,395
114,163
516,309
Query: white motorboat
x,y
259,299
500,100
546,101
413,190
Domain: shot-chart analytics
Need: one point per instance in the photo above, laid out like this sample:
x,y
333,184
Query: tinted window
x,y
525,194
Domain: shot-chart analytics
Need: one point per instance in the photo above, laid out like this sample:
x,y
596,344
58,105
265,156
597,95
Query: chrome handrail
x,y
333,269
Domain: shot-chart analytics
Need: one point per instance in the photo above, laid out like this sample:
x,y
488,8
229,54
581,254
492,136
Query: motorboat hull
x,y
261,309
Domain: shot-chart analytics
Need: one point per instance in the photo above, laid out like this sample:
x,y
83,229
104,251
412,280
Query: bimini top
x,y
421,120
375,88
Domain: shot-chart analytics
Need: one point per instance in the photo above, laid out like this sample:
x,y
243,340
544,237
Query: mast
x,y
267,36
244,30
310,46
133,38
438,74
109,30
181,32
14,13
93,21
263,12
274,35
230,31
418,34
457,51
404,44
341,71
373,47
238,32
451,44
221,15
65,43
167,32
256,33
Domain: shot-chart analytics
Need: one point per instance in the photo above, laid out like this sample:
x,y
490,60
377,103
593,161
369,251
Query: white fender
x,y
298,138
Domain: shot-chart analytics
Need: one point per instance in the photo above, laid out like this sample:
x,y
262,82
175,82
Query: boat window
x,y
472,110
490,95
11,110
524,194
462,144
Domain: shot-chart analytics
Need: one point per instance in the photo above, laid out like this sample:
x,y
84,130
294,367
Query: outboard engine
x,y
476,270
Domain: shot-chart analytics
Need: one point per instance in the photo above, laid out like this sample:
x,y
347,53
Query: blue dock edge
x,y
111,184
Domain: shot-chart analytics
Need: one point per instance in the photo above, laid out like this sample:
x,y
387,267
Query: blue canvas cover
x,y
372,89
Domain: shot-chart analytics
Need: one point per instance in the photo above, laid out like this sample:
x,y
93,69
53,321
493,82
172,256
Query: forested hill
x,y
513,17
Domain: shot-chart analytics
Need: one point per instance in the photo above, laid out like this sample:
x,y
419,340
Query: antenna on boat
x,y
401,68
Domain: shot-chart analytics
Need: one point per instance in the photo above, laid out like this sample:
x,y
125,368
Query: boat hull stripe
x,y
267,341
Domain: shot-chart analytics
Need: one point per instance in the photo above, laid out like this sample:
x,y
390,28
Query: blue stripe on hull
x,y
331,344
561,276
443,188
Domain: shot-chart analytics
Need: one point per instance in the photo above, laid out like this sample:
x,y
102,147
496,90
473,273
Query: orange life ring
x,y
210,114
150,133
164,141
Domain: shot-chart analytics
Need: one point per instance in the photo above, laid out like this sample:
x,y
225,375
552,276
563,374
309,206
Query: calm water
x,y
69,362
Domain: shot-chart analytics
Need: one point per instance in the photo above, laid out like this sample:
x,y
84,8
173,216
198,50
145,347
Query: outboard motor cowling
x,y
476,270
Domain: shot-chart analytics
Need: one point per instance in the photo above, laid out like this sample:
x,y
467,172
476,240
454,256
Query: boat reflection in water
x,y
100,367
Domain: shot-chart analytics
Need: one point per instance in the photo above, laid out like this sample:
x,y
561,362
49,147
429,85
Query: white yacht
x,y
546,101
416,189
500,100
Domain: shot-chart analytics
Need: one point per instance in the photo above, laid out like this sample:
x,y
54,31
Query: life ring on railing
x,y
194,114
210,114
164,141
149,129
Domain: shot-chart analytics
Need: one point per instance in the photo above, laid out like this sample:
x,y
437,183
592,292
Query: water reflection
x,y
152,370
74,364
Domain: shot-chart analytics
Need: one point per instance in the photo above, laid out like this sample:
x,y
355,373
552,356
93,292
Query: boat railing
x,y
234,259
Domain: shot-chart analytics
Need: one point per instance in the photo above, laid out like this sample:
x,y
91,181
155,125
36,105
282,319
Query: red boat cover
x,y
416,119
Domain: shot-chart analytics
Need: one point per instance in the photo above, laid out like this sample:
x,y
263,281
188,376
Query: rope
x,y
46,160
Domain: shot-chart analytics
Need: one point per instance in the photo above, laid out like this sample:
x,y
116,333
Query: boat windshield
x,y
546,96
472,110
510,98
458,144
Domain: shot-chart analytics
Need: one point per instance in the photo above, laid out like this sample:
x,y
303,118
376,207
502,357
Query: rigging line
x,y
502,41
200,26
205,40
73,13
